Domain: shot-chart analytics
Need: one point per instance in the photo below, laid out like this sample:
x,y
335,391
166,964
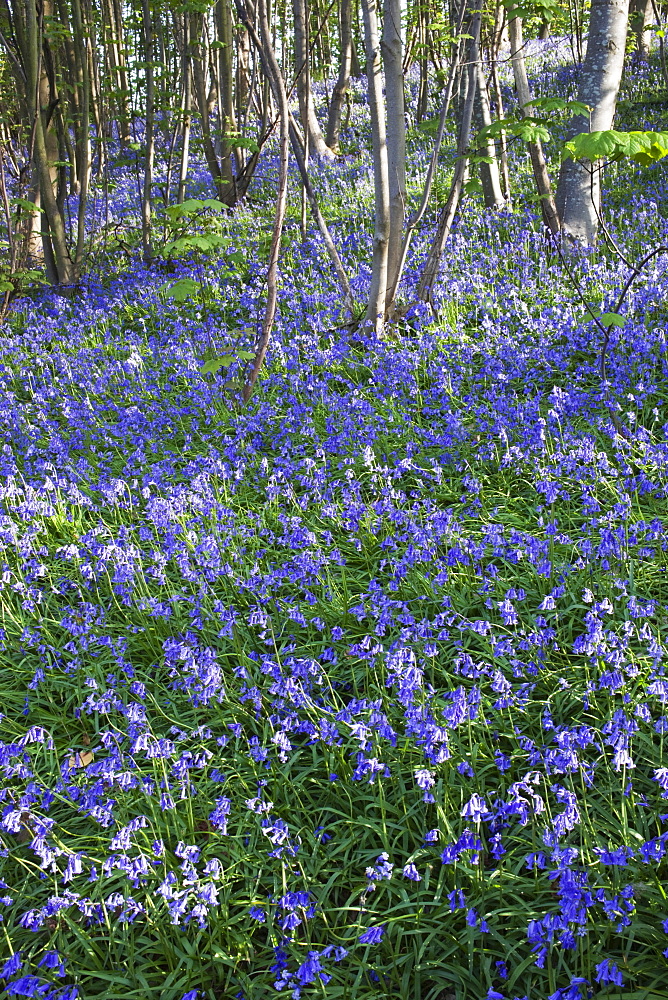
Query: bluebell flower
x,y
52,960
373,935
475,809
11,966
607,972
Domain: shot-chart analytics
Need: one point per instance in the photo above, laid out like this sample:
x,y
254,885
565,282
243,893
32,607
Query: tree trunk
x,y
640,16
579,191
316,139
149,141
343,81
281,98
187,111
446,218
41,95
489,172
392,47
82,43
221,171
538,164
375,314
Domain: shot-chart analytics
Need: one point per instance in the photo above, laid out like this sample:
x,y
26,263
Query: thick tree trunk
x,y
226,77
343,81
538,164
579,191
375,314
392,48
82,43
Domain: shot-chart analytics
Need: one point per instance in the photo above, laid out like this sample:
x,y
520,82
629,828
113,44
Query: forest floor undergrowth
x,y
357,690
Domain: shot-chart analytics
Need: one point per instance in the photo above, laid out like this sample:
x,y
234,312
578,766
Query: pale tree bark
x,y
489,172
446,218
316,140
343,80
220,170
417,216
579,191
149,137
274,74
375,314
187,111
393,55
281,98
538,164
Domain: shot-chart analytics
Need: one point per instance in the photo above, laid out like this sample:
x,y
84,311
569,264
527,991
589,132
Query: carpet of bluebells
x,y
358,690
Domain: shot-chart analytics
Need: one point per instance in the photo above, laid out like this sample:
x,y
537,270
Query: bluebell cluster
x,y
358,690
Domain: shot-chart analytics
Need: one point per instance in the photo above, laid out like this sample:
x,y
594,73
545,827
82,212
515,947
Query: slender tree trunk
x,y
640,15
446,218
281,98
187,111
221,171
343,81
149,139
124,109
82,42
60,267
423,88
538,164
579,191
375,315
392,48
503,143
416,217
316,139
489,172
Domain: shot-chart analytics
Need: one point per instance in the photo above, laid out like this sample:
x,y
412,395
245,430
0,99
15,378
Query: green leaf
x,y
29,205
528,129
559,104
181,290
644,148
215,204
6,286
215,364
611,319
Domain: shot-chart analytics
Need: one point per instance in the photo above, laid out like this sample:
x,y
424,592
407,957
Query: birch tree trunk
x,y
579,191
149,138
375,314
393,55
